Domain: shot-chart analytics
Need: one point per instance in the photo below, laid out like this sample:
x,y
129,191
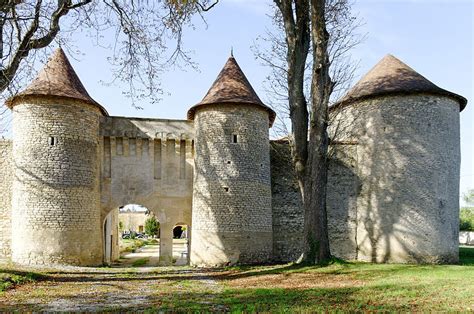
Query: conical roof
x,y
57,79
392,76
231,87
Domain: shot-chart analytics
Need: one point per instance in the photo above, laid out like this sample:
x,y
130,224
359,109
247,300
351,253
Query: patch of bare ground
x,y
294,281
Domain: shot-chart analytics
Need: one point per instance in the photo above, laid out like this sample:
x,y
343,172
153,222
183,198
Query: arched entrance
x,y
181,233
149,162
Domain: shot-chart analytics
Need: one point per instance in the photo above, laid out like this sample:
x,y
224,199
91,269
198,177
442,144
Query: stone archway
x,y
149,162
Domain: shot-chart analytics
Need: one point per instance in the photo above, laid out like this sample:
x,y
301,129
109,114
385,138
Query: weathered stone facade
x,y
392,186
56,183
408,163
5,197
232,213
149,162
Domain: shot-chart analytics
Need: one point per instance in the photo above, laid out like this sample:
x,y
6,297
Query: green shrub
x,y
152,226
466,219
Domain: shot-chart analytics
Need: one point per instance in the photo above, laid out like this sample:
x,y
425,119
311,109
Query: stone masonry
x,y
5,197
392,186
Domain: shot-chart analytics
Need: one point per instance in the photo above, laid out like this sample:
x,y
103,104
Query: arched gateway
x,y
149,162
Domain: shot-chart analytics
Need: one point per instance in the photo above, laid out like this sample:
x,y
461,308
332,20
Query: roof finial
x,y
231,51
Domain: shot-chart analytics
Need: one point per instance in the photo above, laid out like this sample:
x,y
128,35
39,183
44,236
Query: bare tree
x,y
271,48
138,34
324,30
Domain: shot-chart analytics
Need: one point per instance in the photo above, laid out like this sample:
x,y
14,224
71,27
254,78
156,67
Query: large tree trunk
x,y
309,156
316,242
296,24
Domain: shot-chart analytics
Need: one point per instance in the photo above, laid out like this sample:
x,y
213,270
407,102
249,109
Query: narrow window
x,y
52,141
234,138
132,144
119,145
107,158
182,159
157,158
145,146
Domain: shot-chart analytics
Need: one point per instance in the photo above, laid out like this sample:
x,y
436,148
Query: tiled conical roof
x,y
57,79
231,87
392,76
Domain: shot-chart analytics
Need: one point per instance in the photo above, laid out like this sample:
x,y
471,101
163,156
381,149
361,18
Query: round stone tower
x,y
232,212
56,212
408,162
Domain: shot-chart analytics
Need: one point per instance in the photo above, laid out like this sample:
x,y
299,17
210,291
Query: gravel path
x,y
80,289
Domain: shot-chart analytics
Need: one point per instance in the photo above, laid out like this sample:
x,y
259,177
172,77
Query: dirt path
x,y
148,254
110,289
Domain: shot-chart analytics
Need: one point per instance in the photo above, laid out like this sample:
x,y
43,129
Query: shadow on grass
x,y
245,300
466,255
290,300
335,267
11,278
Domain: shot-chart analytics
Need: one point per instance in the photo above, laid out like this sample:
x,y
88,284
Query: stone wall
x,y
56,212
466,237
133,220
232,217
408,161
111,237
5,197
149,162
287,210
288,214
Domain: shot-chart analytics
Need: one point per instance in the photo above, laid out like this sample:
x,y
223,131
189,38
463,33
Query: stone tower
x,y
405,131
232,212
55,202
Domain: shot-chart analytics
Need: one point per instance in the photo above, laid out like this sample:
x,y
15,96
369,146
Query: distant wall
x,y
133,220
5,197
466,237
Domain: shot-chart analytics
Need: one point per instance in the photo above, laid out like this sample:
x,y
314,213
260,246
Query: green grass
x,y
131,245
340,286
11,278
466,255
140,262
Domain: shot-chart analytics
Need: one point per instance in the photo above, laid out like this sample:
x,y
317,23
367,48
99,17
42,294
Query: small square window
x,y
226,189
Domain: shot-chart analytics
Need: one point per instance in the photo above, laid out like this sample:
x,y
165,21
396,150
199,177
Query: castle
x,y
393,183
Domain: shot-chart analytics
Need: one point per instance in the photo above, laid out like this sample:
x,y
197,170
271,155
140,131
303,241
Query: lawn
x,y
339,286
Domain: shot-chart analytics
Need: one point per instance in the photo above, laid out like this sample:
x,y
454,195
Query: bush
x,y
152,226
466,219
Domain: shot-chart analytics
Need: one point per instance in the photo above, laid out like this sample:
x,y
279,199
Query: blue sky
x,y
433,37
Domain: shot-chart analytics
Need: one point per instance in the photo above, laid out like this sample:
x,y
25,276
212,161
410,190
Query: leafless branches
x,y
343,27
144,37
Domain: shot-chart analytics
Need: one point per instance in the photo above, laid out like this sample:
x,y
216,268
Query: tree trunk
x,y
309,157
316,242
